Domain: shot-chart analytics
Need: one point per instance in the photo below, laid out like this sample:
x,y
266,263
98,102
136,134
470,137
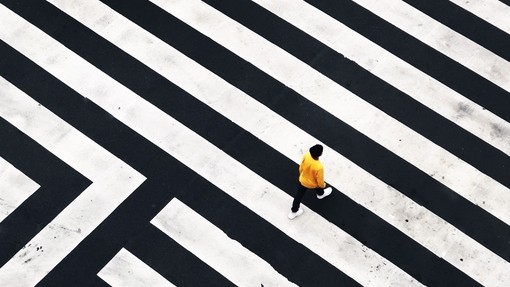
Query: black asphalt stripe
x,y
99,247
276,248
425,121
82,265
45,169
159,251
64,271
467,24
421,56
251,151
92,281
383,164
507,2
226,141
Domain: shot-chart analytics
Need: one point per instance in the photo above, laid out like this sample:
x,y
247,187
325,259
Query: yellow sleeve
x,y
320,178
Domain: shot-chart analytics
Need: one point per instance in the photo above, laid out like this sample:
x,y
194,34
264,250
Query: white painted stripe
x,y
126,270
113,180
210,98
286,138
393,135
403,76
322,237
211,245
87,211
443,39
492,11
4,166
15,188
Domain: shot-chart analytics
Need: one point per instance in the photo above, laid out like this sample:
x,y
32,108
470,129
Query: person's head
x,y
316,151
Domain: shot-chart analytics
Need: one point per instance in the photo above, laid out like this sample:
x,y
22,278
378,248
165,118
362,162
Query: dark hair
x,y
316,151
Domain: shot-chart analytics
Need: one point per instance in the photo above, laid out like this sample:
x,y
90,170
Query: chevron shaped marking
x,y
112,180
126,270
162,130
52,196
280,132
15,187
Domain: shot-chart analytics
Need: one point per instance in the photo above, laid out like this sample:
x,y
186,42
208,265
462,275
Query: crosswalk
x,y
156,142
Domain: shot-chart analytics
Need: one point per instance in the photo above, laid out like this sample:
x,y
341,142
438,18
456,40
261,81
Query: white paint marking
x,y
87,211
211,245
15,188
403,76
384,208
126,270
277,132
411,146
492,11
322,237
443,39
113,180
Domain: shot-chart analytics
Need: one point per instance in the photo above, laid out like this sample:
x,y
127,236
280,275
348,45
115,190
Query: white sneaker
x,y
293,215
327,191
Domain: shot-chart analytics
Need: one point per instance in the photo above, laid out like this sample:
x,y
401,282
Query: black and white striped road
x,y
156,142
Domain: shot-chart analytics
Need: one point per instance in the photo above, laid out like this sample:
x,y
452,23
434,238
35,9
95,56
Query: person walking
x,y
311,177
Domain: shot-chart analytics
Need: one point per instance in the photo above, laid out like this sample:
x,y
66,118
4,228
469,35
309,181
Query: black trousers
x,y
300,194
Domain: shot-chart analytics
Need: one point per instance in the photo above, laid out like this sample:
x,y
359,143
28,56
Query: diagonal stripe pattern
x,y
234,177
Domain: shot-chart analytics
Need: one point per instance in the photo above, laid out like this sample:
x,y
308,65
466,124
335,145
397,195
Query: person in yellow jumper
x,y
311,176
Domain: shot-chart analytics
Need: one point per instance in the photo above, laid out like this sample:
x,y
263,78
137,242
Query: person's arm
x,y
320,178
